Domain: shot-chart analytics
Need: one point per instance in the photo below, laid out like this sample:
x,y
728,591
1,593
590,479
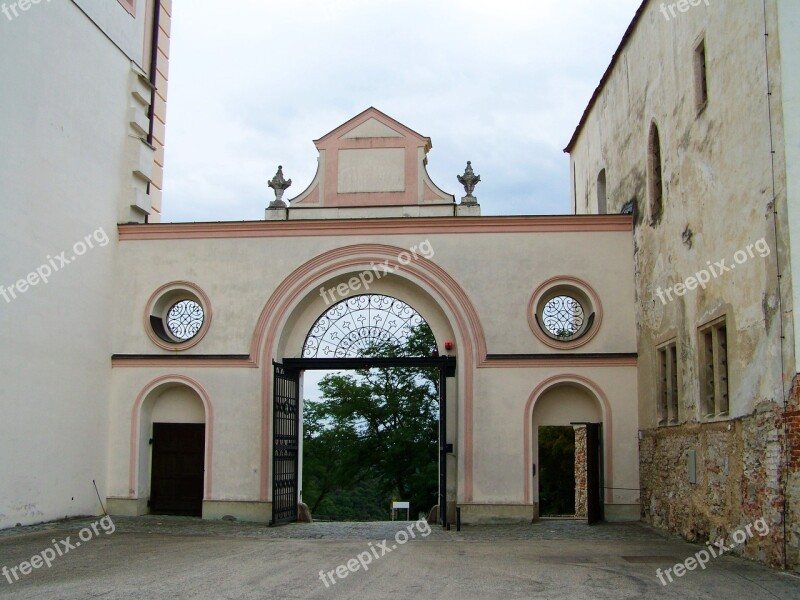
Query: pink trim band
x,y
381,227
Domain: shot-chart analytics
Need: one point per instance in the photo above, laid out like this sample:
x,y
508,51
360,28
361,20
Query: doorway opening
x,y
173,448
571,471
557,472
567,457
369,440
178,469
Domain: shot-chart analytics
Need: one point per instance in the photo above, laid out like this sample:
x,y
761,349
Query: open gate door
x,y
285,444
594,472
443,447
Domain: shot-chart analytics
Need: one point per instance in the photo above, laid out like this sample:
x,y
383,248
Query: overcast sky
x,y
500,83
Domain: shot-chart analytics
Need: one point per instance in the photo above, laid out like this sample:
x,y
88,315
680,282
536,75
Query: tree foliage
x,y
373,437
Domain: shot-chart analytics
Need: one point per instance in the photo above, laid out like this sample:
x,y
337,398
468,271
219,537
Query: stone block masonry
x,y
792,429
739,467
580,471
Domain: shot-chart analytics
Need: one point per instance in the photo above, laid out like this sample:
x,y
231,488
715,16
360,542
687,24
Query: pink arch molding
x,y
306,280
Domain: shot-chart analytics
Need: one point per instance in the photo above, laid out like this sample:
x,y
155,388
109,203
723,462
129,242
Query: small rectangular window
x,y
721,351
668,391
655,174
663,415
674,416
708,378
601,193
700,75
714,385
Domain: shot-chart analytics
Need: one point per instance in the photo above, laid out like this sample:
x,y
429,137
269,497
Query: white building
x,y
77,158
262,280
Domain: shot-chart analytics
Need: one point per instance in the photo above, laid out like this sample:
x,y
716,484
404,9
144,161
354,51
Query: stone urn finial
x,y
279,184
469,180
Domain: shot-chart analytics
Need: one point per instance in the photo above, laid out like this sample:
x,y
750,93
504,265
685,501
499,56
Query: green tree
x,y
373,436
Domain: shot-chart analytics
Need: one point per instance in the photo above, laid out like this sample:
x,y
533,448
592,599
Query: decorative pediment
x,y
372,163
372,128
373,124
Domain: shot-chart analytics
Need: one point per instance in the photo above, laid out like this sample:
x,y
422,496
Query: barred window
x,y
714,384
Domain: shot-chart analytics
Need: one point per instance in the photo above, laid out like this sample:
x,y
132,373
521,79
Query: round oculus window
x,y
563,317
185,319
178,316
564,313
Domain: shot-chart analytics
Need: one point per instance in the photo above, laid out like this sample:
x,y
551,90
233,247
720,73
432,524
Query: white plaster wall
x,y
119,25
240,274
789,25
371,170
178,405
499,287
500,273
61,164
235,397
500,399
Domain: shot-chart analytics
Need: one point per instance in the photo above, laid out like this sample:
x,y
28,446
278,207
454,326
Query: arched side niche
x,y
168,399
562,400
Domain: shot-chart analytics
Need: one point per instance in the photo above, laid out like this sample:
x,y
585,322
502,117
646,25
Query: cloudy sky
x,y
500,83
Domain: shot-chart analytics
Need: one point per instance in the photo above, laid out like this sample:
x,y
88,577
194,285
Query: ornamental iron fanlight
x,y
355,327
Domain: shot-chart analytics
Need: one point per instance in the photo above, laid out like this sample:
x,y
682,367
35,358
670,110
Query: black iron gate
x,y
443,446
594,472
285,444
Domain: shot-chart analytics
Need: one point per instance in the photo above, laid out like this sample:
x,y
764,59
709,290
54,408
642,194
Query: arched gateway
x,y
354,333
288,294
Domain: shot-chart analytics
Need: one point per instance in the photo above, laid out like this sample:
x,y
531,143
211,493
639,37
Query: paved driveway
x,y
169,557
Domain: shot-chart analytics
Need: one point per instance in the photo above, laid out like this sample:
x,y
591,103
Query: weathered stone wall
x,y
580,471
792,431
725,186
739,467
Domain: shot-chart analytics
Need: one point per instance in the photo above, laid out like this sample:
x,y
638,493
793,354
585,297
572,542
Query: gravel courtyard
x,y
173,557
